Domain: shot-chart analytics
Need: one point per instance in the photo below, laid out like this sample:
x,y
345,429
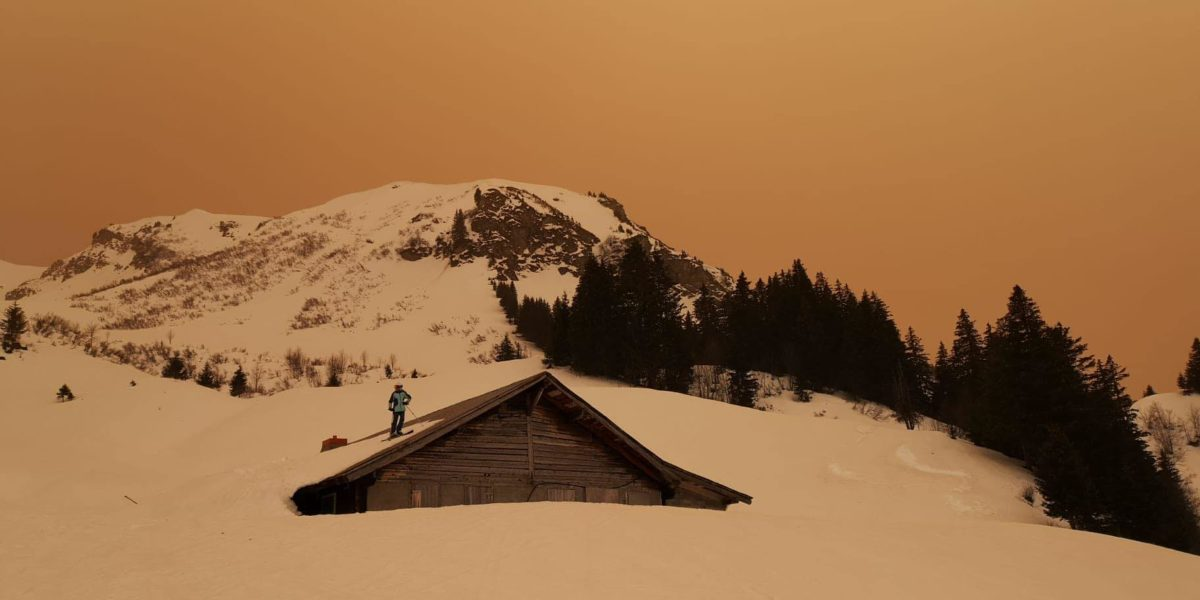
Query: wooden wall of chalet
x,y
511,455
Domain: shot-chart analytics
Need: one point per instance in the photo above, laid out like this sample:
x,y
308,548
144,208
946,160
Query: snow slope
x,y
372,272
12,275
843,508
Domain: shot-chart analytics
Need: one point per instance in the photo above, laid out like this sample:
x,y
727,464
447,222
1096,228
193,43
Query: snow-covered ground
x,y
164,489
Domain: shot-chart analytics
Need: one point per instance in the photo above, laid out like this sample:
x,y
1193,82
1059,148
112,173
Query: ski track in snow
x,y
906,456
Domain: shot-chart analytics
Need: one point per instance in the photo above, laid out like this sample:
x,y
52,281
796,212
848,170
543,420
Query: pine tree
x,y
238,384
15,325
458,233
1046,400
651,333
904,402
505,350
743,388
742,317
507,293
943,384
535,321
1149,391
917,373
209,377
709,328
177,368
597,324
65,394
1189,380
560,339
963,372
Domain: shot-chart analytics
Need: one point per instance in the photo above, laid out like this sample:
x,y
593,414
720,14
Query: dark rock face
x,y
616,207
686,271
514,236
148,252
517,232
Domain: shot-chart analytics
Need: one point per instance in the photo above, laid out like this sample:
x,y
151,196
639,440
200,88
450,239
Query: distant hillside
x,y
378,272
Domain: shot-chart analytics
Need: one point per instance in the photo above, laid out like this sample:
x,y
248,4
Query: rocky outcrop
x,y
516,231
148,252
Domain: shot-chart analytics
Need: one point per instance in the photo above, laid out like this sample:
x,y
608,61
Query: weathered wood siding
x,y
512,455
565,455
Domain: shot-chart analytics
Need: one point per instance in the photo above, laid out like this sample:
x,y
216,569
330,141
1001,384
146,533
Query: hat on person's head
x,y
400,386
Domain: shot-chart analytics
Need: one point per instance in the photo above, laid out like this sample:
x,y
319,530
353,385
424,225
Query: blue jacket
x,y
399,400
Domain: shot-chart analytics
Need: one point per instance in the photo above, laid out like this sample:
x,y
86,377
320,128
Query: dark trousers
x,y
397,422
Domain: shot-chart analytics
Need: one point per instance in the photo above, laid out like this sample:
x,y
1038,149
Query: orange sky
x,y
935,150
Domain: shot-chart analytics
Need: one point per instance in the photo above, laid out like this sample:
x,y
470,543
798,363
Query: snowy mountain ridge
x,y
375,271
517,229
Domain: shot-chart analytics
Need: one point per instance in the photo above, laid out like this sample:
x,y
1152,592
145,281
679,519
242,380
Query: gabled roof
x,y
448,419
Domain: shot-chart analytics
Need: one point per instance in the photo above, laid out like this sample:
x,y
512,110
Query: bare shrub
x,y
335,368
296,362
876,412
1192,426
1164,429
314,313
313,375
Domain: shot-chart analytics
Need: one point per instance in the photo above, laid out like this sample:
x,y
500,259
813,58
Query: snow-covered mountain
x,y
373,272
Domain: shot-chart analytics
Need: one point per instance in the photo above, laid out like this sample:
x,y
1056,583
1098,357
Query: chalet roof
x,y
450,418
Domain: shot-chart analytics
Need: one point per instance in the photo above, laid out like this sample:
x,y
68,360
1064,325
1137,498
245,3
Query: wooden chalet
x,y
532,440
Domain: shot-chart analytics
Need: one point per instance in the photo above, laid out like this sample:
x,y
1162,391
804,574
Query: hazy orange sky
x,y
938,151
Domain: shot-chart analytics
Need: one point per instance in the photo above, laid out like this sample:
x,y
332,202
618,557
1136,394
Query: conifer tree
x,y
507,293
1189,380
709,328
652,343
963,371
904,402
238,383
1149,391
177,368
209,377
458,233
65,394
1045,400
741,321
596,324
560,338
505,350
943,382
15,325
535,321
917,373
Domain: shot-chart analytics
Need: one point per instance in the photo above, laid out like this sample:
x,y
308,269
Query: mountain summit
x,y
383,265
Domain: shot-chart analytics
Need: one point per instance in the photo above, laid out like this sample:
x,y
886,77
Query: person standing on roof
x,y
396,403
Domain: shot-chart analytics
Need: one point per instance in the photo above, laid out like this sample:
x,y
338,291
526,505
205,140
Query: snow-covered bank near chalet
x,y
168,489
